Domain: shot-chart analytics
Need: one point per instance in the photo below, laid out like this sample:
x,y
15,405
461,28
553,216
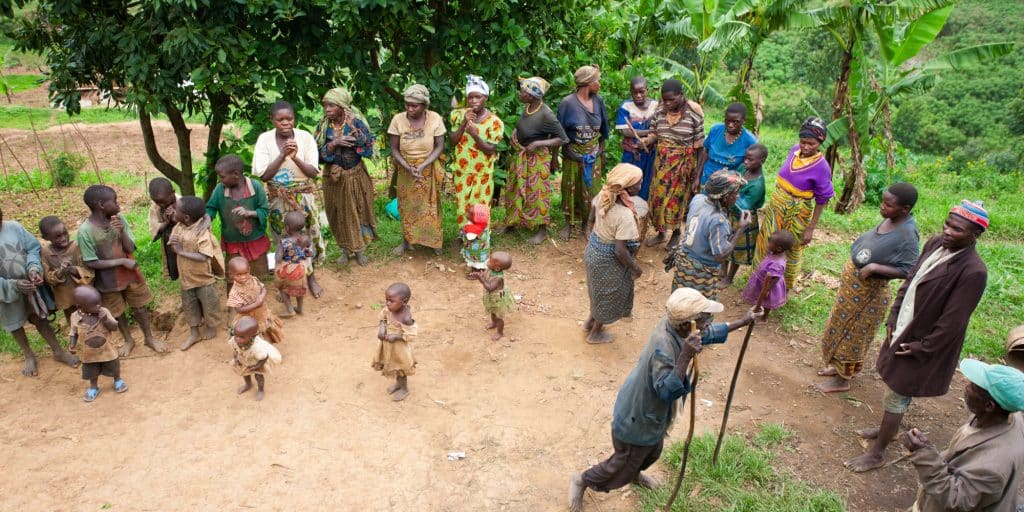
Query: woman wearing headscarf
x,y
287,160
527,189
582,115
802,189
612,242
344,139
709,239
679,131
476,133
417,140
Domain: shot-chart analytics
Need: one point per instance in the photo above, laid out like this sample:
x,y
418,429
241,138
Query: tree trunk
x,y
149,141
854,177
219,104
182,133
839,100
890,143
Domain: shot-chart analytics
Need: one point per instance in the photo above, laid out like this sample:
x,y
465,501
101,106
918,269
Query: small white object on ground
x,y
456,455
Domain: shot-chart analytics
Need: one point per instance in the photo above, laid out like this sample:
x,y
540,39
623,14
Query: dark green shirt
x,y
235,229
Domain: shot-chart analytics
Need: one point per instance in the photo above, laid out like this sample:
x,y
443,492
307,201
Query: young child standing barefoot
x,y
397,331
772,266
200,262
498,300
107,246
294,262
92,324
253,355
63,268
248,297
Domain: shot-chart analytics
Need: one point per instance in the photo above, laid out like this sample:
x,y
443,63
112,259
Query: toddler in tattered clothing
x,y
248,297
253,356
396,332
90,328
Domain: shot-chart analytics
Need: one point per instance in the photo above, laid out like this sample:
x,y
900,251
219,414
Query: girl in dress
x,y
396,333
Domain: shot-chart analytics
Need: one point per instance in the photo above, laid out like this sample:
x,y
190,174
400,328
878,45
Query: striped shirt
x,y
687,132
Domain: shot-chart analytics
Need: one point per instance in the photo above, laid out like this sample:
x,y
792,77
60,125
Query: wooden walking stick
x,y
769,283
689,434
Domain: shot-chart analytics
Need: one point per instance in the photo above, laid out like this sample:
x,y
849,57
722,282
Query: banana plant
x,y
868,83
748,24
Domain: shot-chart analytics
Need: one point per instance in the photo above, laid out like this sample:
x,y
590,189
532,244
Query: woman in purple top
x,y
802,189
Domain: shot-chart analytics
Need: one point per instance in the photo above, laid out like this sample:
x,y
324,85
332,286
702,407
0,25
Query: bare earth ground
x,y
526,411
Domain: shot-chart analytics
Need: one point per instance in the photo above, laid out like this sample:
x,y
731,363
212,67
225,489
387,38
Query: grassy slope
x,y
745,478
1003,303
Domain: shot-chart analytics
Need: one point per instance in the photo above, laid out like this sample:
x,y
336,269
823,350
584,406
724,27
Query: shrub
x,y
66,167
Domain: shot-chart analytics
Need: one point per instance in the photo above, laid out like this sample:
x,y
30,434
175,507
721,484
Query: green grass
x,y
22,118
19,83
745,478
1002,306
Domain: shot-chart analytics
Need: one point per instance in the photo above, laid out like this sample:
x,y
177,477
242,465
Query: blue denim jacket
x,y
646,404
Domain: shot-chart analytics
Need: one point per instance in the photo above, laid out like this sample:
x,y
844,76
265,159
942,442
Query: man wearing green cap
x,y
983,466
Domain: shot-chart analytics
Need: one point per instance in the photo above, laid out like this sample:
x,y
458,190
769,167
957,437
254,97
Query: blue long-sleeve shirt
x,y
646,404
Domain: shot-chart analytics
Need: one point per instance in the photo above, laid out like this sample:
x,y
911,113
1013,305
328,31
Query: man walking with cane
x,y
646,404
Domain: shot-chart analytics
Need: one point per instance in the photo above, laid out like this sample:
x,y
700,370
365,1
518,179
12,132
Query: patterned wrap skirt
x,y
576,195
609,282
793,214
672,185
746,245
348,203
691,273
855,318
527,190
419,204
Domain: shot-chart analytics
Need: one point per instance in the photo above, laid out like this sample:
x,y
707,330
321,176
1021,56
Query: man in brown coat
x,y
927,323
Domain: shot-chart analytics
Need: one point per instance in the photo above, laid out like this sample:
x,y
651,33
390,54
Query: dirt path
x,y
526,411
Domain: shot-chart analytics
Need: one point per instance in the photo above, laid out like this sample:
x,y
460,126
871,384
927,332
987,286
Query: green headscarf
x,y
341,97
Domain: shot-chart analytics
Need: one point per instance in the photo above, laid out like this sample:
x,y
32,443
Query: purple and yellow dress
x,y
802,183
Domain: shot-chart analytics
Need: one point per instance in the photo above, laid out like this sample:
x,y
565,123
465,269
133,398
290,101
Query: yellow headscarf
x,y
620,178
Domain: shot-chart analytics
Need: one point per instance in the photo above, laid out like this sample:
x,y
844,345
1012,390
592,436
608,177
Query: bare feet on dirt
x,y
496,336
245,387
395,386
834,385
865,462
400,394
539,236
576,491
361,259
599,338
156,345
126,349
655,240
827,371
66,358
342,260
259,396
193,338
30,369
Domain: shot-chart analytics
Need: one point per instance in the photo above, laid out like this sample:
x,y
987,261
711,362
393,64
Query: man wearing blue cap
x,y
983,466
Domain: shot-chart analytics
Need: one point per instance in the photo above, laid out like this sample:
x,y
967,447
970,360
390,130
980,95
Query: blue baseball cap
x,y
1004,384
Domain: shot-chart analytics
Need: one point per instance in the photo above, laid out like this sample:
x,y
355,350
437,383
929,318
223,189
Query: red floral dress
x,y
474,170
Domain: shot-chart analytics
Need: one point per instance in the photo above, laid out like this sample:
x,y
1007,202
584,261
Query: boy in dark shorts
x,y
92,324
199,262
107,245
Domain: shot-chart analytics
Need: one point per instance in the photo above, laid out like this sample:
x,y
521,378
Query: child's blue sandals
x,y
91,394
120,386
